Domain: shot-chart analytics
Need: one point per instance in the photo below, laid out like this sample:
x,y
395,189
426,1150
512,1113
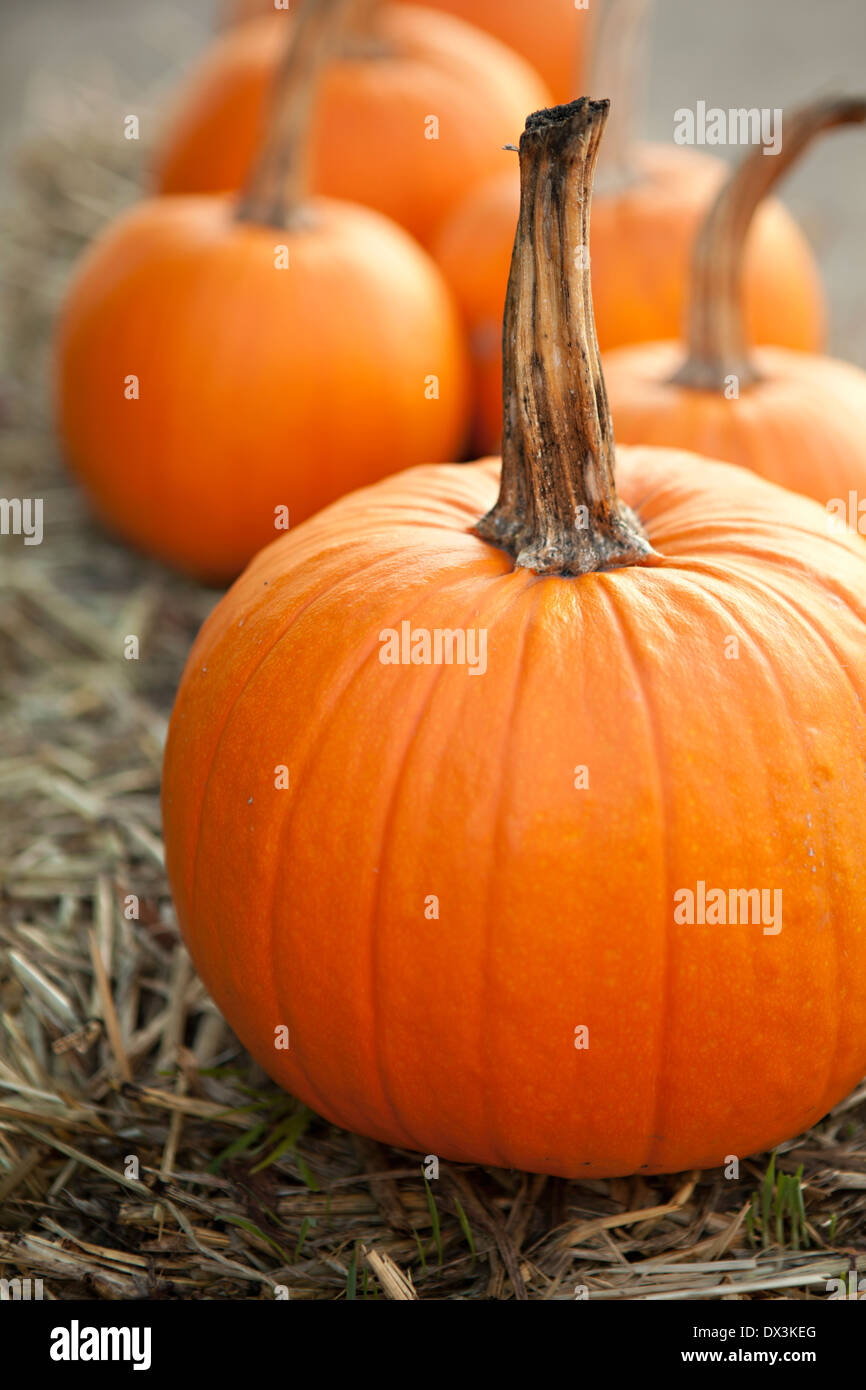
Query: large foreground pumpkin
x,y
224,370
550,34
484,897
413,111
795,418
648,211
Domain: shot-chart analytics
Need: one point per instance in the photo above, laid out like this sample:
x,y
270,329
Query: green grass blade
x,y
466,1229
434,1217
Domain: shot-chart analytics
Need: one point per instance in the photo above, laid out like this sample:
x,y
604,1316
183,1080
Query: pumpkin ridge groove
x,y
727,559
610,592
195,855
767,587
323,592
829,878
739,620
305,771
770,665
520,664
835,920
500,581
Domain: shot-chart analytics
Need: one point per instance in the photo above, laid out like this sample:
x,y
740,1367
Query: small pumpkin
x,y
649,209
226,368
463,886
550,34
412,113
795,418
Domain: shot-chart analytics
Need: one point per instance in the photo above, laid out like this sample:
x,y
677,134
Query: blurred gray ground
x,y
764,53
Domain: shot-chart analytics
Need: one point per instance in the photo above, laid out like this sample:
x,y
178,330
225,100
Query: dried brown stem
x,y
558,511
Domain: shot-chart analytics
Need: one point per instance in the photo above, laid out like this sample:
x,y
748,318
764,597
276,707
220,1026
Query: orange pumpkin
x,y
550,34
464,886
224,370
795,418
411,115
648,211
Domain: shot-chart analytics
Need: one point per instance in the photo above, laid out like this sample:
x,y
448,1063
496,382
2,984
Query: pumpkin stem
x,y
364,15
558,511
364,38
617,65
278,184
716,332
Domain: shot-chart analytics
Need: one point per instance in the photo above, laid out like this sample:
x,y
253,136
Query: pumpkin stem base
x,y
623,544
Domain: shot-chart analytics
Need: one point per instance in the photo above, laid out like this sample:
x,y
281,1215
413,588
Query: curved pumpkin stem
x,y
716,336
278,184
364,13
558,511
617,66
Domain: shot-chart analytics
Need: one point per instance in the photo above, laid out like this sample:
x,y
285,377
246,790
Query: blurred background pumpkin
x,y
647,211
793,417
412,113
551,34
228,365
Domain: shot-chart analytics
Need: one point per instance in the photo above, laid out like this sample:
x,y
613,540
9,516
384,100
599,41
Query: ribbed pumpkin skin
x,y
802,426
367,140
551,34
258,387
642,240
306,907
